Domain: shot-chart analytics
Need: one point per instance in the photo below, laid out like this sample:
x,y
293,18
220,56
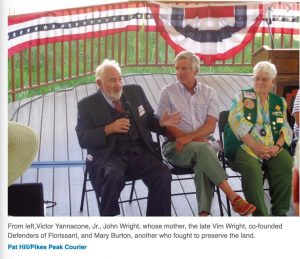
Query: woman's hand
x,y
275,150
262,151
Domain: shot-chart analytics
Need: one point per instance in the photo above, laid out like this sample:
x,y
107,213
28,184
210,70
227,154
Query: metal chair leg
x,y
228,207
219,201
98,202
83,190
132,190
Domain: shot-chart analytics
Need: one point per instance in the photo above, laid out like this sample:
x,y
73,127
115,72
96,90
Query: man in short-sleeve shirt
x,y
187,145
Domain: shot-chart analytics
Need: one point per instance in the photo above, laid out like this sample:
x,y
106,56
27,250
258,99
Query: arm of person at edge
x,y
296,107
200,135
297,117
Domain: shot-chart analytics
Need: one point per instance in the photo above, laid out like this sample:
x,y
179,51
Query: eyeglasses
x,y
114,81
264,79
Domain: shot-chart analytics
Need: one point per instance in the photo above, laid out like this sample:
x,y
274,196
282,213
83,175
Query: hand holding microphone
x,y
122,124
127,113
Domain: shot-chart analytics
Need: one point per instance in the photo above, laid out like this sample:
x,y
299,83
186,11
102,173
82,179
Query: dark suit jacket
x,y
94,113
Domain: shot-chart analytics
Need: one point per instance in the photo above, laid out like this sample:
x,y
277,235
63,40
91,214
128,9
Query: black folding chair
x,y
129,181
188,172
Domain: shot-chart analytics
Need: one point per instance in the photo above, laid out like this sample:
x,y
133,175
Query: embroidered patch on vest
x,y
249,104
278,113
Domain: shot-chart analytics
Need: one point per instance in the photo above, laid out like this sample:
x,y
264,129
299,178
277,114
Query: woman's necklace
x,y
265,121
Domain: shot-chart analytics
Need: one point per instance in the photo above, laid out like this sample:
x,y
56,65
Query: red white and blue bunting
x,y
71,24
283,18
212,31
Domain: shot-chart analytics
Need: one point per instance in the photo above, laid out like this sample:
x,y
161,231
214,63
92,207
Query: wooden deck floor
x,y
53,117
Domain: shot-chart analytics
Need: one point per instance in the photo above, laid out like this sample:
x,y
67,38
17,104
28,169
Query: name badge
x,y
279,120
249,95
141,110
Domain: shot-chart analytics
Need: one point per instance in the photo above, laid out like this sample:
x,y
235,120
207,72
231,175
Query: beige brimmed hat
x,y
22,147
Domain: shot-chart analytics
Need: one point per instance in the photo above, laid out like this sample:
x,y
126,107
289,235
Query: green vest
x,y
232,143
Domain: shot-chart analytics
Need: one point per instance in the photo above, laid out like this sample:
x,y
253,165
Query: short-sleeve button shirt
x,y
193,108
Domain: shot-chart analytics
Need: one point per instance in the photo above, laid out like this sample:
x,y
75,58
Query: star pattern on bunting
x,y
76,24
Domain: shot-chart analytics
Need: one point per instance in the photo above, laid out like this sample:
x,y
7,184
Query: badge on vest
x,y
249,95
279,120
278,113
249,104
263,132
141,110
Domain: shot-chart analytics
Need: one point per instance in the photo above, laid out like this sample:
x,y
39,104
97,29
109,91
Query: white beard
x,y
115,96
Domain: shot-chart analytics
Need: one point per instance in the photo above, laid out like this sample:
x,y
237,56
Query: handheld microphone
x,y
127,115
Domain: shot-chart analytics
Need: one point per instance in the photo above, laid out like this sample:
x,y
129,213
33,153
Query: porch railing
x,y
55,63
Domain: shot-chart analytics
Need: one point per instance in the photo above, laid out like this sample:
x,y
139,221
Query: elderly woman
x,y
257,138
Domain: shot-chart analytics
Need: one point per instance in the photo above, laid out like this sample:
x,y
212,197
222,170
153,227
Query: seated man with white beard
x,y
115,125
